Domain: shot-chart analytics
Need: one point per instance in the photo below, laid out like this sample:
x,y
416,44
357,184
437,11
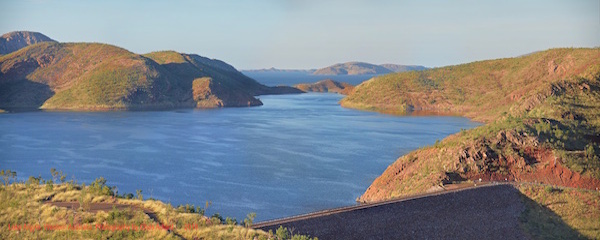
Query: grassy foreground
x,y
560,213
26,213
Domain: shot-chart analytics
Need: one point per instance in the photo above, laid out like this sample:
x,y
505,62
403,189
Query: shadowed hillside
x,y
542,113
92,76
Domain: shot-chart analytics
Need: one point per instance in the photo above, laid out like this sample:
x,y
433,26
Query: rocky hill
x,y
99,77
326,85
14,41
542,115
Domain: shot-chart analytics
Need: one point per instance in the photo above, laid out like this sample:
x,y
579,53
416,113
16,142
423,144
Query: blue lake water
x,y
295,154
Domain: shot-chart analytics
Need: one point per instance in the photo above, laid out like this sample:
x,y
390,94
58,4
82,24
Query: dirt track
x,y
481,213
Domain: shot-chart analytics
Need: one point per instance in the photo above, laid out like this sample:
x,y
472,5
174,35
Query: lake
x,y
295,154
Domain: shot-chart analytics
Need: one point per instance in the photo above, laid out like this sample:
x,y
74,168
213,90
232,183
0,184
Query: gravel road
x,y
490,212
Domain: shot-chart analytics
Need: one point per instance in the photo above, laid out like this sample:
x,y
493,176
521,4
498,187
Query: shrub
x,y
590,152
217,218
282,233
49,185
98,186
188,209
230,221
33,181
128,196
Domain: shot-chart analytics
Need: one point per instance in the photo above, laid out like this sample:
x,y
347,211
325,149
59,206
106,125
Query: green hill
x,y
93,76
542,115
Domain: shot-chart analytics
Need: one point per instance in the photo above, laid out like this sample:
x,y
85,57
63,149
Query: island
x,y
326,85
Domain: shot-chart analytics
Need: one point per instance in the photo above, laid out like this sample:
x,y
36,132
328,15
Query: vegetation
x,y
99,77
480,90
542,122
326,85
542,115
560,213
31,210
7,175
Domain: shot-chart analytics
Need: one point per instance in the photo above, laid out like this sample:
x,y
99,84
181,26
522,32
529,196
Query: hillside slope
x,y
542,113
326,85
92,76
14,41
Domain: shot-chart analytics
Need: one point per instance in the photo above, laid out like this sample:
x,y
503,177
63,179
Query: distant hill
x,y
14,41
542,115
98,77
352,68
361,68
349,68
326,85
276,70
402,68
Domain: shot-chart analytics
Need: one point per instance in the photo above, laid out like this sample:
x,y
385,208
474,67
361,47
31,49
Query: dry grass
x,y
23,205
559,213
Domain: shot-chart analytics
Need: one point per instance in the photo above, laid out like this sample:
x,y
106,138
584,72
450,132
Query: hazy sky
x,y
313,34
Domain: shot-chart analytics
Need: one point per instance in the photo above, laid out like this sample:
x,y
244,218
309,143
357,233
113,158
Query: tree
x,y
139,194
57,175
249,219
7,175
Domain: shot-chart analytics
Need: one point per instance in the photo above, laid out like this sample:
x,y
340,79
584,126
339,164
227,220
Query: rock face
x,y
14,41
101,77
326,85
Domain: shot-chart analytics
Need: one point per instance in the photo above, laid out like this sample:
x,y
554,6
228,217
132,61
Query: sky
x,y
305,34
